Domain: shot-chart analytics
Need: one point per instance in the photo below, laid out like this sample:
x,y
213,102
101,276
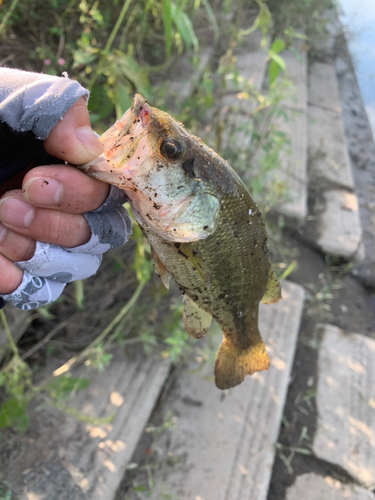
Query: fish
x,y
204,229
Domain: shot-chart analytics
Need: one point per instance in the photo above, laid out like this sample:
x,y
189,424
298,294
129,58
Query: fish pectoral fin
x,y
160,269
273,288
195,260
233,364
196,320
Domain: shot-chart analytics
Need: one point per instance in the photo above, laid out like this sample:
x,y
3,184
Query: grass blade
x,y
167,21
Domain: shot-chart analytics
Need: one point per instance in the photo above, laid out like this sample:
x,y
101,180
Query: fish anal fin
x,y
160,269
273,288
233,364
196,320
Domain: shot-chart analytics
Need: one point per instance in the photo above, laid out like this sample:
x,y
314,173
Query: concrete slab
x,y
292,172
346,403
296,70
87,461
323,89
314,487
328,154
339,226
224,443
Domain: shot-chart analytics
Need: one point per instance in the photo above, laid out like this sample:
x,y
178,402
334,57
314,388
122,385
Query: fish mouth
x,y
120,140
138,113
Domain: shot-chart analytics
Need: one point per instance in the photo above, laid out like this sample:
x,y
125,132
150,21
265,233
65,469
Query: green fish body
x,y
203,227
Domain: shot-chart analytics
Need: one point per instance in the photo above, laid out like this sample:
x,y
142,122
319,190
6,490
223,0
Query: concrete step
x,y
314,487
323,89
334,224
224,442
246,80
346,403
72,459
292,171
339,227
328,154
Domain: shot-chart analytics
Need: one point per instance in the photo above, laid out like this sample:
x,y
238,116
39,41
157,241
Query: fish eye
x,y
172,148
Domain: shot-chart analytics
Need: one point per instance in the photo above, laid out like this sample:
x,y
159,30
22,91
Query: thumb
x,y
72,138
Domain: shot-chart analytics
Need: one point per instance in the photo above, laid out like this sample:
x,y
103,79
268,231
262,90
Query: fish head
x,y
151,156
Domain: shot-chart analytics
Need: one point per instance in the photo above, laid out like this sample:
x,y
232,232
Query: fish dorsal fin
x,y
273,288
196,320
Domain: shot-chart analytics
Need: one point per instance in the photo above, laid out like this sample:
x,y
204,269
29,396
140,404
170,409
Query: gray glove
x,y
32,102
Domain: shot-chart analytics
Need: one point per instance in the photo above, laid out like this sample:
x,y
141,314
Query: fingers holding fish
x,y
59,228
11,276
65,189
14,246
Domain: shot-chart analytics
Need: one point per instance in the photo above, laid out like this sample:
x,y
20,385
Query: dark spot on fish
x,y
205,227
156,205
179,187
182,254
155,195
138,120
235,234
187,165
138,157
195,253
46,182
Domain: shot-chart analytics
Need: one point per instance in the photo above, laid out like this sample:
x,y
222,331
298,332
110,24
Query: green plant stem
x,y
127,307
8,333
108,45
7,16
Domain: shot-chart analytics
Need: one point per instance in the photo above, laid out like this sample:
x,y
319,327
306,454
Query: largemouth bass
x,y
203,227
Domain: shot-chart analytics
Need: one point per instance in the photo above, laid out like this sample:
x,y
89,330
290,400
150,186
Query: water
x,y
359,17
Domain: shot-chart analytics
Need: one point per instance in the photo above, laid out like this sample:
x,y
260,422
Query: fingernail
x,y
3,231
43,191
89,140
16,212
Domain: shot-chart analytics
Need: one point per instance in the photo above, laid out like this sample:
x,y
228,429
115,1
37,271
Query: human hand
x,y
48,208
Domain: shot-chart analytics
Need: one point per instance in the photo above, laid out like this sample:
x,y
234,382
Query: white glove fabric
x,y
52,266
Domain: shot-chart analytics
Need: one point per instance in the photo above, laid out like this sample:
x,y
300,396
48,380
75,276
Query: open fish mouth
x,y
120,141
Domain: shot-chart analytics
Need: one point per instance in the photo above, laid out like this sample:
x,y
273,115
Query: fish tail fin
x,y
233,364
